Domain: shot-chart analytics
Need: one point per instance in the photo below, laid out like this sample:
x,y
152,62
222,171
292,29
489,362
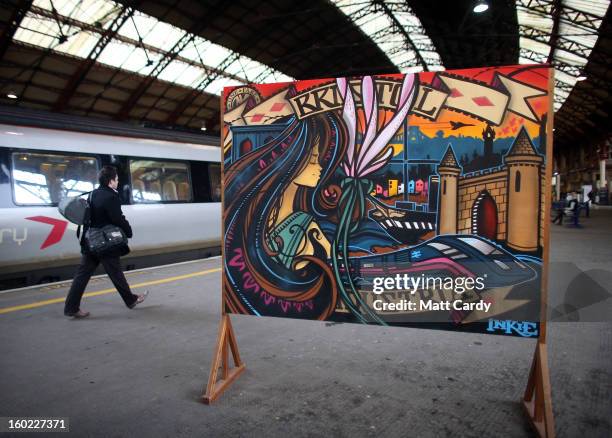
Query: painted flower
x,y
373,153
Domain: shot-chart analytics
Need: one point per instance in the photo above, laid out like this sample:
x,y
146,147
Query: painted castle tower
x,y
449,171
501,203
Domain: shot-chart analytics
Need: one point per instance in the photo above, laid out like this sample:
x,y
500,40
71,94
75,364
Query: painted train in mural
x,y
332,185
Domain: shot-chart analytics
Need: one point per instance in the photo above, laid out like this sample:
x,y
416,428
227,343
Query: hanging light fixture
x,y
480,6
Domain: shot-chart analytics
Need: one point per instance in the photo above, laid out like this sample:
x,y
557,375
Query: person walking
x,y
105,209
589,202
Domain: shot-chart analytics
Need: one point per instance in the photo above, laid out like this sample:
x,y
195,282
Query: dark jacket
x,y
105,209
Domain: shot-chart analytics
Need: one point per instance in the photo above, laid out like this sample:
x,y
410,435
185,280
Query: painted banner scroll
x,y
414,200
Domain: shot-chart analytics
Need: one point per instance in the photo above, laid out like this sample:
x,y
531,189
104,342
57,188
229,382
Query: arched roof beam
x,y
561,33
413,51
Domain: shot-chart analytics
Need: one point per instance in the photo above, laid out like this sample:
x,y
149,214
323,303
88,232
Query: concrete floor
x,y
141,372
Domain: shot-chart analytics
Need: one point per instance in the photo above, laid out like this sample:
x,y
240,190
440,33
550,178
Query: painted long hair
x,y
254,282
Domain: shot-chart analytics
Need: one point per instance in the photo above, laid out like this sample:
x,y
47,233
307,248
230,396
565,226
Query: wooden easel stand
x,y
226,340
537,400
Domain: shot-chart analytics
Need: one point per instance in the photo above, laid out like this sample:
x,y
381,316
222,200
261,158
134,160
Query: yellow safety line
x,y
107,291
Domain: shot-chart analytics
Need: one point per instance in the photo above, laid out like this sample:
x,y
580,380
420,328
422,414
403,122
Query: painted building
x,y
501,203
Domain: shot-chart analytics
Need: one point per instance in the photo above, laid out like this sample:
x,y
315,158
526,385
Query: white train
x,y
170,191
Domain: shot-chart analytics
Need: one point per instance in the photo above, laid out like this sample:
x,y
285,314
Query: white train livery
x,y
170,193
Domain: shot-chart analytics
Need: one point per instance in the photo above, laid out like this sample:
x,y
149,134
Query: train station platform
x,y
141,372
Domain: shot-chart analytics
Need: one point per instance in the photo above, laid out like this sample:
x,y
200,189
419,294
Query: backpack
x,y
76,209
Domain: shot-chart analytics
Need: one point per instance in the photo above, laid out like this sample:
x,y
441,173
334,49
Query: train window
x,y
438,246
214,175
502,265
160,181
481,246
44,179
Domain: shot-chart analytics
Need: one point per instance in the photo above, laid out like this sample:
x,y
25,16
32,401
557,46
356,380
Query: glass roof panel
x,y
217,85
37,31
173,71
236,67
373,21
86,11
190,76
215,54
115,53
79,45
565,78
163,35
403,56
252,70
569,58
534,46
131,30
579,21
143,42
593,7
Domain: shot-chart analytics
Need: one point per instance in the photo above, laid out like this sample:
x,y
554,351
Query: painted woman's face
x,y
311,174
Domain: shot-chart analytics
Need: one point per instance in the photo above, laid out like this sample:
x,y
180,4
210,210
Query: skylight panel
x,y
253,70
416,69
276,76
407,20
138,26
565,78
236,67
403,58
533,19
215,54
535,46
116,53
36,31
569,58
163,35
527,56
577,35
380,23
86,11
143,42
372,24
267,76
195,50
593,7
173,71
79,45
217,85
190,76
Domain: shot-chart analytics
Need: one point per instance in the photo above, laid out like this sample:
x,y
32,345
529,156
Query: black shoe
x,y
139,300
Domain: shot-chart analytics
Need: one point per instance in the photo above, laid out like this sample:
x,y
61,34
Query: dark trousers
x,y
88,265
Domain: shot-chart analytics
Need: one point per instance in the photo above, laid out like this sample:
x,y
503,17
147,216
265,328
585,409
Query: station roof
x,y
163,63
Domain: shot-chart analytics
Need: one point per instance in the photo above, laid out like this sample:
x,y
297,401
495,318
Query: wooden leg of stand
x,y
537,400
226,341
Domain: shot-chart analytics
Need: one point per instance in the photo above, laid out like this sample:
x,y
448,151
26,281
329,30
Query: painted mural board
x,y
410,200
